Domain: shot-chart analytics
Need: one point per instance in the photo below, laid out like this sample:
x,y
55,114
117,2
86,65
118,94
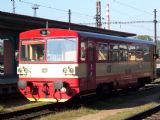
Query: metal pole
x,y
108,17
13,8
46,24
35,7
155,29
69,18
98,14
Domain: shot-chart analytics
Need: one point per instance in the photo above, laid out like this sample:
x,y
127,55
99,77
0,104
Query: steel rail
x,y
144,114
28,113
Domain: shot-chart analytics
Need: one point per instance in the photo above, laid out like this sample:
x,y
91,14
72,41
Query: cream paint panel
x,y
120,68
54,70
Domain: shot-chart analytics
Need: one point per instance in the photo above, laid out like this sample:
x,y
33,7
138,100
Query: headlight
x,y
65,70
19,70
63,89
22,84
71,70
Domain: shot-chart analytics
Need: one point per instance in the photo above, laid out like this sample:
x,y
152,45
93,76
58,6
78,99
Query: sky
x,y
83,11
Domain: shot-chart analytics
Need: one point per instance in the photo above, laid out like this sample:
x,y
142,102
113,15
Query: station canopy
x,y
18,23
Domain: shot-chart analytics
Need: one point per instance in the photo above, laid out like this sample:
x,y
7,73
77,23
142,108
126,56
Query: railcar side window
x,y
61,49
113,52
123,53
83,51
32,51
139,53
131,53
102,52
146,55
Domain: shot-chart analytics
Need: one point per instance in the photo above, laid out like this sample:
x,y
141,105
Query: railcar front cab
x,y
45,68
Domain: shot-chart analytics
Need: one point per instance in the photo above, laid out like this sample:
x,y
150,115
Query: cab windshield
x,y
32,50
61,49
57,49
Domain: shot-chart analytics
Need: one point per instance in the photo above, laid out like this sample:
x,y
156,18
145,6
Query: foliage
x,y
147,37
144,37
1,50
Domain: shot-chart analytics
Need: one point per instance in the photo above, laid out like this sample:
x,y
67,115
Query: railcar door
x,y
91,67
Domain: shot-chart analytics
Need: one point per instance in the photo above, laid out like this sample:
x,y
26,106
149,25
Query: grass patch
x,y
1,108
69,114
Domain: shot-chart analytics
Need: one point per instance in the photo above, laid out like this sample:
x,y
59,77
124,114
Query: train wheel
x,y
103,90
99,92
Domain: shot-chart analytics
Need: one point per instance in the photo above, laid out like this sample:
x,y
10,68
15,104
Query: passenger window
x,y
139,53
146,55
113,53
83,51
131,53
123,53
102,52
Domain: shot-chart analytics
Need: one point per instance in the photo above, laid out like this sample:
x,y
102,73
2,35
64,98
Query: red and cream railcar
x,y
56,64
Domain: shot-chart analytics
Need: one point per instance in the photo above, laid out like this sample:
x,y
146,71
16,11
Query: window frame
x,y
117,59
76,50
142,53
85,51
107,51
122,58
30,42
132,51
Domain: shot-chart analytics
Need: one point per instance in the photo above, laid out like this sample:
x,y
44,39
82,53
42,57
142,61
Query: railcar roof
x,y
115,38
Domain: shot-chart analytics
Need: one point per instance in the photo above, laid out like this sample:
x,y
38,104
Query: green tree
x,y
144,37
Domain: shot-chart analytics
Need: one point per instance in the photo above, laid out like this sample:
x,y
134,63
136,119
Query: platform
x,y
8,85
8,80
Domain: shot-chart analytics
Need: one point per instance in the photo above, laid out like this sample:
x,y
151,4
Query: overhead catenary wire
x,y
133,20
128,23
74,13
60,10
78,13
128,6
132,7
122,22
43,6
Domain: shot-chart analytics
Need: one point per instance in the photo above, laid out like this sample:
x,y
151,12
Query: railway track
x,y
151,114
29,113
52,108
38,111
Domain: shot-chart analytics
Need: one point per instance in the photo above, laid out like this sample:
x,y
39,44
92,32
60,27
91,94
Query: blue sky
x,y
83,11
